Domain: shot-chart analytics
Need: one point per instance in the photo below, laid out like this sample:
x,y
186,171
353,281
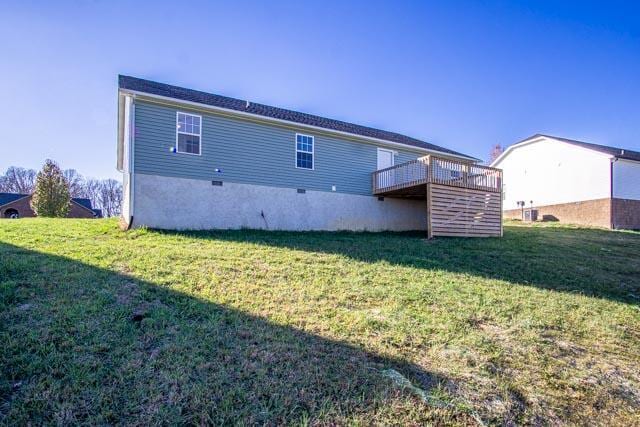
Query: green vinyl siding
x,y
253,153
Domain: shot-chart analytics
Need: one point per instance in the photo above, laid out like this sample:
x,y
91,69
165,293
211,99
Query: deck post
x,y
429,227
428,195
461,199
501,204
465,175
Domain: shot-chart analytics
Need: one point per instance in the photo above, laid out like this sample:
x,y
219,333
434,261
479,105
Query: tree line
x,y
105,194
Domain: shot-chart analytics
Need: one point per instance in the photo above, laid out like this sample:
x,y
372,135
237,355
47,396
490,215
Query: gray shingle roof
x,y
620,153
83,202
183,94
10,197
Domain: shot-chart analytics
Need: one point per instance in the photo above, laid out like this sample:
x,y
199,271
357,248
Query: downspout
x,y
132,175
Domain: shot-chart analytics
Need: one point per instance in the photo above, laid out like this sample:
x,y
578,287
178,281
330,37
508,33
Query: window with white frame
x,y
188,128
304,151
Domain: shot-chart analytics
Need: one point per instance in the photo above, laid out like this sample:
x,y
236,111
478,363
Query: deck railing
x,y
437,170
400,176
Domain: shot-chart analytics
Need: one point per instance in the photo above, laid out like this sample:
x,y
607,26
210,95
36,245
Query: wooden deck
x,y
463,199
401,179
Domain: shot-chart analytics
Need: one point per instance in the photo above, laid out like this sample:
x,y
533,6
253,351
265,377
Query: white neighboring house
x,y
572,181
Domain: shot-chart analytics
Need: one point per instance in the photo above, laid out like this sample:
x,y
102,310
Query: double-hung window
x,y
189,132
304,151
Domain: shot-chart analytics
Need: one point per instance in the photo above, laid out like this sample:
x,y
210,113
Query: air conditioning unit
x,y
531,215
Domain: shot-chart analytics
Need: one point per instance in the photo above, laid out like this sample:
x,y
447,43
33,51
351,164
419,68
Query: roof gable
x,y
6,198
85,203
184,94
620,153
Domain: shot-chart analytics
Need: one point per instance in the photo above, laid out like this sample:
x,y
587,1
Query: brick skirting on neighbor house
x,y
588,212
619,213
626,214
23,206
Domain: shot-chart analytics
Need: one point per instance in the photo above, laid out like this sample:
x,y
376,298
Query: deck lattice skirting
x,y
462,199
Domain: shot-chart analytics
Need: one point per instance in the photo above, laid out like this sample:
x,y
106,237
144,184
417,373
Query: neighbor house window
x,y
188,129
304,151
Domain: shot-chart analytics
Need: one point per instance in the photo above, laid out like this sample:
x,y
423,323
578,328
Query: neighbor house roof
x,y
6,198
620,153
86,203
190,95
83,202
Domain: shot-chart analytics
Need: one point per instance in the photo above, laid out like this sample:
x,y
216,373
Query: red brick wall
x,y
24,209
626,214
76,211
21,205
589,212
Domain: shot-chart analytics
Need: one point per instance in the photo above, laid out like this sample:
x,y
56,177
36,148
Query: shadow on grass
x,y
81,344
593,262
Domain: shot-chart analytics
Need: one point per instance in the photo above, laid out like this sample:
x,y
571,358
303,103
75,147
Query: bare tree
x,y
110,197
91,190
18,180
75,181
105,194
495,152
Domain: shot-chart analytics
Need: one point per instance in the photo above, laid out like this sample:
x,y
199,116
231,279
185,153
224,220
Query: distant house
x,y
572,181
195,160
13,205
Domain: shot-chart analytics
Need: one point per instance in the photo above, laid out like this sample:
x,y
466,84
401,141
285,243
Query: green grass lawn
x,y
100,326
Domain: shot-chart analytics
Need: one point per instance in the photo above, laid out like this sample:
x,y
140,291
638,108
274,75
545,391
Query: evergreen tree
x,y
51,195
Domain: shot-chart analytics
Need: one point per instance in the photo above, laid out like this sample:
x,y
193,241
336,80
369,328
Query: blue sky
x,y
464,75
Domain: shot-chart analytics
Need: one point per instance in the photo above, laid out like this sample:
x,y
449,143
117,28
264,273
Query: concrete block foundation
x,y
179,203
